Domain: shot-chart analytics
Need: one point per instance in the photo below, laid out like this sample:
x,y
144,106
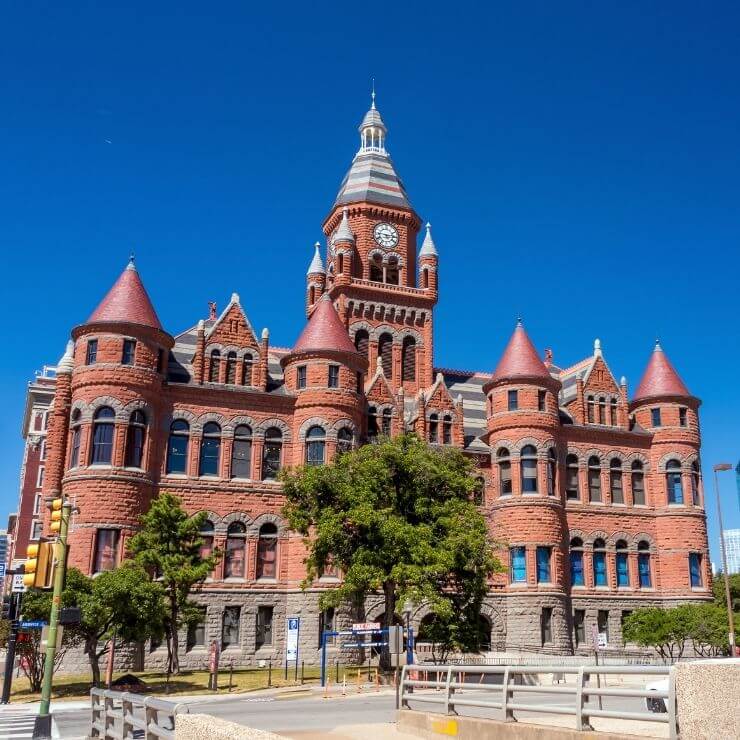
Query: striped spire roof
x,y
660,378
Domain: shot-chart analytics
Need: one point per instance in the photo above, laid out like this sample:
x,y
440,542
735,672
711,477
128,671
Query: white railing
x,y
456,686
118,714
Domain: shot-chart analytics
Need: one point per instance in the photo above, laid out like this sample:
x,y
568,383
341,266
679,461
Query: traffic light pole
x,y
42,728
15,608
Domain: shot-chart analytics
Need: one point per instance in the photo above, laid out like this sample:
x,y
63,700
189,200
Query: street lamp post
x,y
720,467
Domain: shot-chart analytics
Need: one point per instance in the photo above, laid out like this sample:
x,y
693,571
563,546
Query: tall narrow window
x,y
177,447
91,354
600,578
376,268
613,412
571,478
576,562
372,424
408,359
695,483
206,539
391,271
552,469
655,417
241,453
602,410
315,446
272,453
247,370
74,457
215,366
326,624
602,623
543,564
512,400
518,565
425,278
541,397
387,416
263,635
210,449
447,429
590,409
230,627
594,479
638,484
235,557
129,350
300,376
267,551
231,368
106,549
504,471
362,342
135,436
622,564
546,625
579,626
340,263
345,440
682,416
385,352
433,429
102,442
615,481
695,569
333,376
643,564
529,469
673,482
197,631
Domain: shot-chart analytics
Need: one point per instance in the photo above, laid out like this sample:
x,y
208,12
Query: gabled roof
x,y
660,378
324,330
127,302
520,359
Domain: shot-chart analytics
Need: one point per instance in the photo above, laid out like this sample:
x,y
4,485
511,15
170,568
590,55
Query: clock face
x,y
385,235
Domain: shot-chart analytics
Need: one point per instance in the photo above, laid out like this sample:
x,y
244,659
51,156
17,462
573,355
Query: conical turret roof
x,y
324,330
127,302
660,378
520,358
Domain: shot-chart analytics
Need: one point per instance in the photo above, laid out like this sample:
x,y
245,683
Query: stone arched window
x,y
74,457
594,478
576,562
433,429
385,352
272,453
247,369
408,359
602,410
391,271
643,564
479,492
376,268
615,481
315,446
622,564
552,469
528,466
503,460
345,440
447,429
177,446
362,342
695,483
638,483
674,482
372,424
267,551
206,537
613,412
214,366
387,417
590,409
572,488
231,368
102,436
135,438
599,563
235,557
210,449
241,452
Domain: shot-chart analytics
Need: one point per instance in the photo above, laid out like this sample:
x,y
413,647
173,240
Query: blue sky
x,y
578,161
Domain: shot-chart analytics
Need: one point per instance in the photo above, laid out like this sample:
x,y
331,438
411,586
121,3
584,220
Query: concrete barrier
x,y
708,699
205,727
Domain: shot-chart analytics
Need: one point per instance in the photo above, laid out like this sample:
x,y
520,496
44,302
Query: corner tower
x,y
371,266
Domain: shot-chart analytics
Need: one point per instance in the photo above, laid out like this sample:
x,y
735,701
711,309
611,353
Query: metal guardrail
x,y
118,714
449,682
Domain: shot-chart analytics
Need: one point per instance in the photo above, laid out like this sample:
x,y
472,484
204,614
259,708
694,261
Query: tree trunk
x,y
91,645
389,591
173,659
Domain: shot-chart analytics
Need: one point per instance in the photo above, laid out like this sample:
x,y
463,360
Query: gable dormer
x,y
440,420
604,400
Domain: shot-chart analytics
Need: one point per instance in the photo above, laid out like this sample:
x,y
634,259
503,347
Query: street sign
x,y
35,625
18,586
291,643
45,637
366,627
2,571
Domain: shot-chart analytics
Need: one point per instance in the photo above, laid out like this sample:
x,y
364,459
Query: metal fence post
x,y
671,702
150,717
127,711
107,718
506,714
448,681
580,677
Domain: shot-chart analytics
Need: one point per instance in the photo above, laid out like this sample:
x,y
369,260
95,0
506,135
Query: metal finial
x,y
518,320
372,96
131,262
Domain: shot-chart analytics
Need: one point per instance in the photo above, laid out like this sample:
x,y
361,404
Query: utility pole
x,y
15,609
731,635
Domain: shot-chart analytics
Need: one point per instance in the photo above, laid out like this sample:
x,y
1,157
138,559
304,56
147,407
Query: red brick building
x,y
597,496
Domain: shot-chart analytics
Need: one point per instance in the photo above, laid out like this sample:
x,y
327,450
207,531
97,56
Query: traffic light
x,y
37,566
6,606
56,515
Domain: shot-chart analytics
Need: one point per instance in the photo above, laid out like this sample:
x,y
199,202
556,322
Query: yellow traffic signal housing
x,y
56,515
37,569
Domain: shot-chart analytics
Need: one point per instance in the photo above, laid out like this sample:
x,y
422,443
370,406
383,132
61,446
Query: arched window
x,y
387,416
504,471
74,457
210,449
622,566
594,478
408,359
247,370
312,295
206,537
391,271
272,453
340,263
576,562
590,409
376,268
602,410
177,446
231,368
214,366
267,551
372,424
643,564
572,491
315,446
529,469
673,481
135,437
613,412
600,578
479,492
102,439
362,342
552,468
615,481
638,484
385,352
235,557
241,453
345,440
695,483
425,278
433,429
447,429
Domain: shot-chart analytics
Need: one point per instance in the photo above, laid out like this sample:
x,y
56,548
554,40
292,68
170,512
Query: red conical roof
x,y
324,330
127,302
520,358
660,378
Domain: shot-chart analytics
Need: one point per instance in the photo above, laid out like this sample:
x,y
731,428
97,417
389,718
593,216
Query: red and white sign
x,y
365,626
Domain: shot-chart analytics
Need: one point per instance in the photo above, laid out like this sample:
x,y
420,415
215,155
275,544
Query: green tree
x,y
666,630
718,588
397,517
708,628
169,545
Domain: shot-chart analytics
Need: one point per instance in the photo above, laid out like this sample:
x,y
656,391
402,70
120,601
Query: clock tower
x,y
384,294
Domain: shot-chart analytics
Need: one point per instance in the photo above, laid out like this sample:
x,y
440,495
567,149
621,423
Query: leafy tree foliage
x,y
397,517
718,588
169,545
